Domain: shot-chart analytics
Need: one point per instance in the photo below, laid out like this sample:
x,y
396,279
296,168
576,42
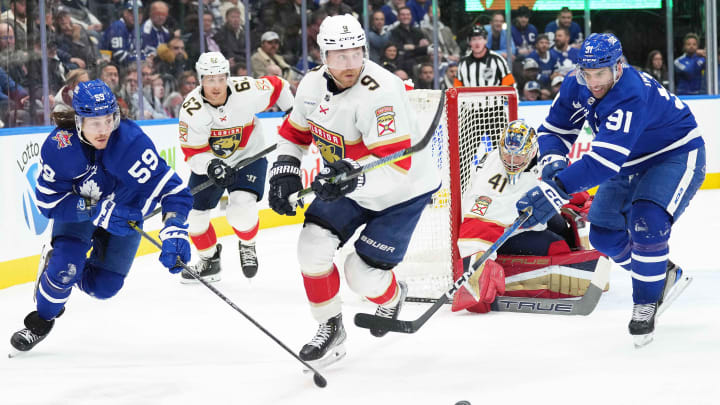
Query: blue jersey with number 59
x,y
635,125
128,171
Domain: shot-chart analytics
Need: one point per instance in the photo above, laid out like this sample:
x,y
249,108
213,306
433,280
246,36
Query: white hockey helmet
x,y
340,32
212,63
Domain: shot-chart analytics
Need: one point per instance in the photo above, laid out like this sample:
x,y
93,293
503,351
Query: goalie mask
x,y
342,33
518,146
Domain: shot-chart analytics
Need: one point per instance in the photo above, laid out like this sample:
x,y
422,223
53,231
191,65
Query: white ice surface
x,y
160,342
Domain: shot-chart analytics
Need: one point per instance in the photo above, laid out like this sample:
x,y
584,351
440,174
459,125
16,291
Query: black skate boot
x,y
248,259
208,269
327,346
36,329
391,313
642,324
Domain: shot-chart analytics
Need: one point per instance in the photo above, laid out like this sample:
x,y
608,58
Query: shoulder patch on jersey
x,y
63,138
481,205
263,84
183,130
385,120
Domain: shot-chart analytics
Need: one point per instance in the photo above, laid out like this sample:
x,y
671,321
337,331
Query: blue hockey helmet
x,y
94,99
600,50
518,146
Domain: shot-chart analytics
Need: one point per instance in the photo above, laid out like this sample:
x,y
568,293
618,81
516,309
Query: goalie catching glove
x,y
480,290
329,190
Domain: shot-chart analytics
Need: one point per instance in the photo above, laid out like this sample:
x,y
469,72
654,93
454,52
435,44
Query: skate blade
x,y
675,292
209,279
331,358
641,341
15,353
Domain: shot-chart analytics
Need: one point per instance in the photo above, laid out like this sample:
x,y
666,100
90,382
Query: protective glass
x,y
343,59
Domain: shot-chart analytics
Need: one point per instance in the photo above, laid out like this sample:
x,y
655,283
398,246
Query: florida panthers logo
x,y
330,144
224,142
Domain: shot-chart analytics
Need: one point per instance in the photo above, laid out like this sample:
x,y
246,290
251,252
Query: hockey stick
x,y
207,183
319,380
369,321
394,157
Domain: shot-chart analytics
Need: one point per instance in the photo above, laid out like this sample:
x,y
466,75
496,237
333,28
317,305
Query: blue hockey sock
x,y
613,242
650,226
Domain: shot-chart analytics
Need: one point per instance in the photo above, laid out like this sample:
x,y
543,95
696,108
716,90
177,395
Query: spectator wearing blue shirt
x,y
545,59
524,34
565,20
378,35
154,31
497,40
690,67
118,41
419,8
566,55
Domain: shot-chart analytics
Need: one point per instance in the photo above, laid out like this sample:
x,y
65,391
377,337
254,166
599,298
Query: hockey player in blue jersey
x,y
98,173
648,156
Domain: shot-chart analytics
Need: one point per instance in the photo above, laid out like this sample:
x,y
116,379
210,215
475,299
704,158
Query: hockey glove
x,y
481,289
552,164
221,174
115,217
545,200
285,179
175,244
327,190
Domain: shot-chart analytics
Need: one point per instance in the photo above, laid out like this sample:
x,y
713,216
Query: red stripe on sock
x,y
322,288
388,295
205,240
248,235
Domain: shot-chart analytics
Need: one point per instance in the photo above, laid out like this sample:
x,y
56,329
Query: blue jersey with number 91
x,y
635,125
129,171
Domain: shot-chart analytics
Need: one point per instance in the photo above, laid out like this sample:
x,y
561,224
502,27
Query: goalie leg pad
x,y
242,214
650,227
378,285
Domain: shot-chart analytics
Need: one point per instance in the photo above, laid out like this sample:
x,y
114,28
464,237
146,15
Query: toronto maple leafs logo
x,y
90,186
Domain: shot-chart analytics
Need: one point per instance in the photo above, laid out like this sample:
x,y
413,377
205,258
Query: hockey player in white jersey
x,y
356,112
218,129
504,176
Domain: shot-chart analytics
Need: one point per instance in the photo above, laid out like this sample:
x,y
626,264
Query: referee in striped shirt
x,y
482,67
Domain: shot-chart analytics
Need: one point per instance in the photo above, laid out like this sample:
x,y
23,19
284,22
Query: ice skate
x,y
208,269
327,347
642,324
391,313
675,283
248,259
35,330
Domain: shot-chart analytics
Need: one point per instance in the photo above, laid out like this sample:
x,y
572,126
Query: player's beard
x,y
347,78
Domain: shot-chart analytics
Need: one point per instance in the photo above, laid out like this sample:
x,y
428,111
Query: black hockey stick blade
x,y
560,306
394,157
369,321
207,183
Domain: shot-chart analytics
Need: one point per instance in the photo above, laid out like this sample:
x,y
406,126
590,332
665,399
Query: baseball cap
x,y
269,36
129,4
532,85
557,80
530,63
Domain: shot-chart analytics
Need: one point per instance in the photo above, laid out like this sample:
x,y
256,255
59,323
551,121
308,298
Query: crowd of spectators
x,y
95,39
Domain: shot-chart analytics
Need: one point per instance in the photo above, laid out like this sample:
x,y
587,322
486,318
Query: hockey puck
x,y
320,381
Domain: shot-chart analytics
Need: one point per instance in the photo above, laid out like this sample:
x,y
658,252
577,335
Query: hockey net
x,y
472,123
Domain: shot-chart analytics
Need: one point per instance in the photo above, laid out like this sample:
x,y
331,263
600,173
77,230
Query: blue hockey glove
x,y
285,179
545,199
552,164
325,190
115,217
221,174
175,244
